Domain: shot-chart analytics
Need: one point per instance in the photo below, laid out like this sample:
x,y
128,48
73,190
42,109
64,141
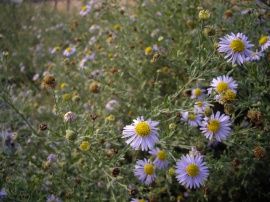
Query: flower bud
x,y
71,135
209,31
204,15
208,112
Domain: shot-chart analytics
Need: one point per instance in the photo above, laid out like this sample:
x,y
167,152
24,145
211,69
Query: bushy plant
x,y
143,101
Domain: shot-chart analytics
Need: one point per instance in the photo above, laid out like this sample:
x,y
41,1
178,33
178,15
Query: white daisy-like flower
x,y
35,77
55,49
255,56
94,27
145,171
191,171
69,116
111,105
82,62
90,55
161,158
222,84
138,200
218,125
236,47
93,2
194,152
86,9
200,106
141,133
191,118
69,51
264,42
134,17
52,198
197,93
92,40
155,33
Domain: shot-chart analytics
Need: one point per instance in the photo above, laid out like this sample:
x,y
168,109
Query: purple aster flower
x,y
52,198
51,158
191,171
161,158
141,133
218,125
191,118
145,171
236,47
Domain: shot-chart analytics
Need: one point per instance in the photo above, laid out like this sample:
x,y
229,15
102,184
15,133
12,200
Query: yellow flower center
x,y
199,104
56,48
148,50
142,200
84,8
171,171
85,146
51,200
213,125
254,54
68,49
66,97
191,117
89,52
222,86
230,95
192,170
197,92
109,40
116,27
237,45
63,85
263,40
143,129
149,169
161,155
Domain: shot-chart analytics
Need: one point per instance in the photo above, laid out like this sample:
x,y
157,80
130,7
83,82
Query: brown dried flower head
x,y
115,172
43,126
259,152
235,162
49,82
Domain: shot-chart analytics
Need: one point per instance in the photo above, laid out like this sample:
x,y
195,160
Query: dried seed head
x,y
200,146
133,192
94,87
229,109
113,70
49,82
208,112
76,98
115,172
259,152
43,126
186,93
101,141
209,31
206,190
93,116
228,13
235,162
254,115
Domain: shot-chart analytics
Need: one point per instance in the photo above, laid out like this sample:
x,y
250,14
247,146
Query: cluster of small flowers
x,y
190,169
88,7
212,125
236,47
